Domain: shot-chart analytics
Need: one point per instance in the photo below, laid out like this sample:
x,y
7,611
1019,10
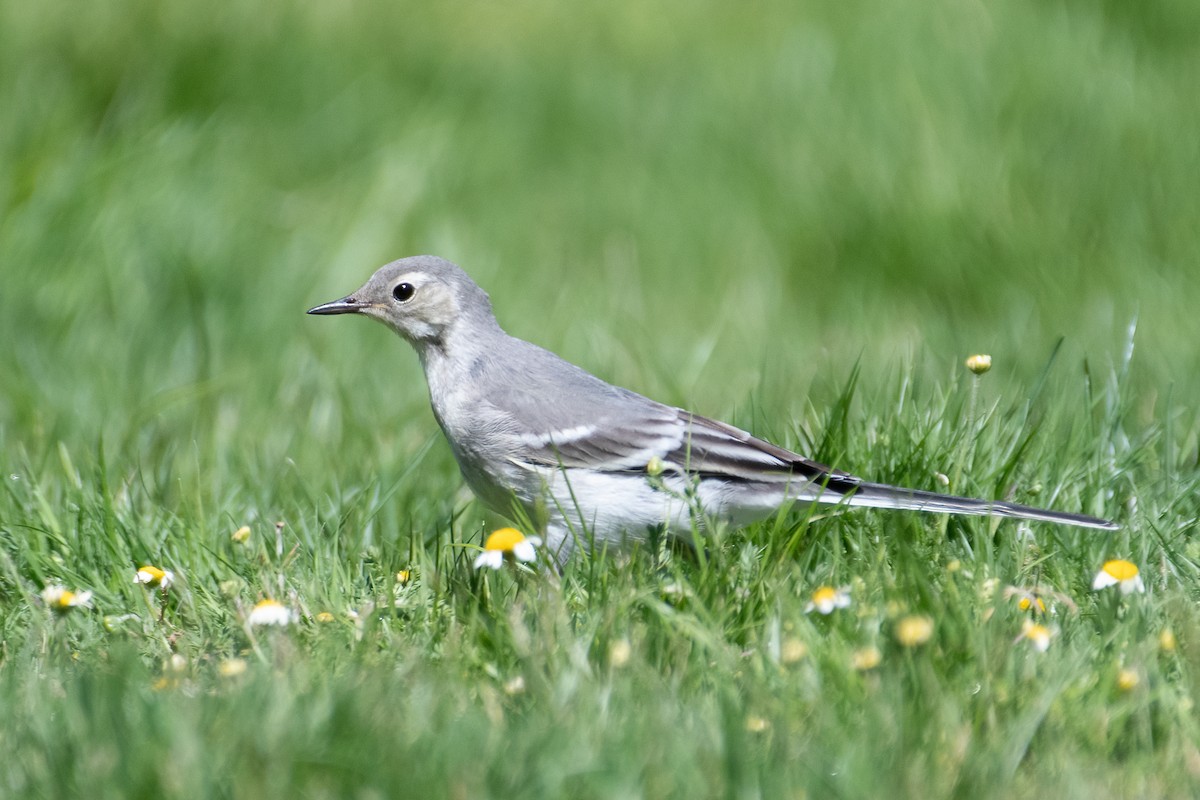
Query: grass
x,y
800,220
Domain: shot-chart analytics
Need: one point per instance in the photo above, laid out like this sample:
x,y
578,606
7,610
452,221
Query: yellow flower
x,y
270,612
232,667
1038,636
404,576
62,601
1031,602
324,617
914,630
826,598
1128,679
1166,640
979,363
792,651
1026,600
756,724
241,535
154,578
619,653
866,658
507,542
1120,573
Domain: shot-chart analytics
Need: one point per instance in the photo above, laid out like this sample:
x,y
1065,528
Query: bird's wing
x,y
712,447
683,442
583,422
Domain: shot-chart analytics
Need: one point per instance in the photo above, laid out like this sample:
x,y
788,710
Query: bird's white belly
x,y
589,508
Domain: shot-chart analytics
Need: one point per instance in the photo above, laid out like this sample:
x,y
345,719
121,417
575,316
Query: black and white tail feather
x,y
879,495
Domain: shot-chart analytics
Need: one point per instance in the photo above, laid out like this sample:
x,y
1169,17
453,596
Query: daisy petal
x,y
493,559
523,551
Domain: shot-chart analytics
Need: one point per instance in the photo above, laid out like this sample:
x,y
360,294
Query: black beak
x,y
347,305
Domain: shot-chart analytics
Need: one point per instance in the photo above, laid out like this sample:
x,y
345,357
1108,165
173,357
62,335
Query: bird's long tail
x,y
879,495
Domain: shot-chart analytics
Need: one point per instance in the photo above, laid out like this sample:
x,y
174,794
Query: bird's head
x,y
422,298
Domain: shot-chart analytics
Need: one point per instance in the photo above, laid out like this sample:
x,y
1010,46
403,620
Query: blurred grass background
x,y
724,207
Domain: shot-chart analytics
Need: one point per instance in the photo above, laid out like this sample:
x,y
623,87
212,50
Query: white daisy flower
x,y
914,630
1037,635
826,599
154,578
270,612
1121,573
61,600
866,658
507,542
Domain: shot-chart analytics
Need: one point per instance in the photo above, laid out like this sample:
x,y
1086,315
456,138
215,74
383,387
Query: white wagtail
x,y
591,462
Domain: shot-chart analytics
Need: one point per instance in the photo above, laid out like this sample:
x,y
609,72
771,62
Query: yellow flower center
x,y
156,574
231,667
504,540
1026,602
1121,569
1037,632
66,599
826,594
914,630
866,658
793,650
979,363
1127,680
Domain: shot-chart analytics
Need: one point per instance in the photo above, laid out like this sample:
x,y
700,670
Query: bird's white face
x,y
415,304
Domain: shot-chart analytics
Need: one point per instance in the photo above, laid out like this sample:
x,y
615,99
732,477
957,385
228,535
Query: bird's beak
x,y
347,305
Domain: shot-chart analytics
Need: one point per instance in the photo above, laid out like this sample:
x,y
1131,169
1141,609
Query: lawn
x,y
799,218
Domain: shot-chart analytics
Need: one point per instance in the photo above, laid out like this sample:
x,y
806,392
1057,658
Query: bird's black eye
x,y
404,292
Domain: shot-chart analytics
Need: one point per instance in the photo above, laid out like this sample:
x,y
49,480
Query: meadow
x,y
799,218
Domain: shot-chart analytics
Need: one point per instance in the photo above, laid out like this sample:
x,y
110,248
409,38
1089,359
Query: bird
x,y
589,463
